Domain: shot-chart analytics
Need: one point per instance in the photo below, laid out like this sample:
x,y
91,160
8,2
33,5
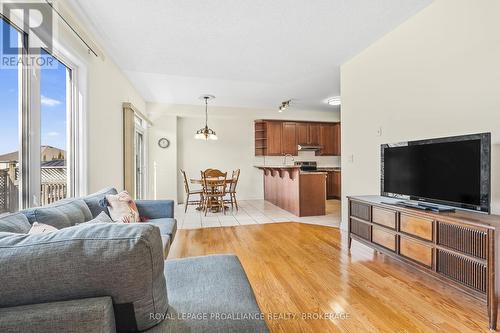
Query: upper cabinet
x,y
289,138
314,134
330,139
277,137
274,138
303,134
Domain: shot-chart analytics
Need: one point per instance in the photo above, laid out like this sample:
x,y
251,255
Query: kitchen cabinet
x,y
303,137
280,137
289,138
333,187
330,139
314,134
274,139
308,134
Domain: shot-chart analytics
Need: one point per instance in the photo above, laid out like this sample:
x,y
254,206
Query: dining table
x,y
212,182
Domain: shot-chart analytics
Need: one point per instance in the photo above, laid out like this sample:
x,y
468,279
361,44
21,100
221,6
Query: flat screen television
x,y
452,171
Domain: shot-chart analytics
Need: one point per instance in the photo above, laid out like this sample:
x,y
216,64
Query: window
x,y
37,144
10,112
55,78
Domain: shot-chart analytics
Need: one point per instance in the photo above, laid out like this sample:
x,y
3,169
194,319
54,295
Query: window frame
x,y
29,109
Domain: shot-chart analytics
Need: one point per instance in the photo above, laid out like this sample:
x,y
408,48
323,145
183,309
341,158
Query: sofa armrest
x,y
156,209
76,316
123,261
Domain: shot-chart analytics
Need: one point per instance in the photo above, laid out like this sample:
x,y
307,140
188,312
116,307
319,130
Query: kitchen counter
x,y
322,168
302,193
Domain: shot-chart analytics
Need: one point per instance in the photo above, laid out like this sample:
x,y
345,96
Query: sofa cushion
x,y
210,285
17,223
167,226
101,218
123,261
93,201
62,214
90,314
40,228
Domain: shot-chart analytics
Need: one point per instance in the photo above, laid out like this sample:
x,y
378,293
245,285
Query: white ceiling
x,y
249,53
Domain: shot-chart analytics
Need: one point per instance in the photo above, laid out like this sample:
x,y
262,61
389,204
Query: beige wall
x,y
108,89
436,75
234,149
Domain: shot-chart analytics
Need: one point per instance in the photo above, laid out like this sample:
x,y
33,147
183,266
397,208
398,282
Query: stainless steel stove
x,y
307,165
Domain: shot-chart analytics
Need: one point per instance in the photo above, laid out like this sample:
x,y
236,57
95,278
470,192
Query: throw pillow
x,y
41,228
122,208
101,218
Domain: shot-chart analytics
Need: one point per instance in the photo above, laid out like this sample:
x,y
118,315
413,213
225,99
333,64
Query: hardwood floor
x,y
300,270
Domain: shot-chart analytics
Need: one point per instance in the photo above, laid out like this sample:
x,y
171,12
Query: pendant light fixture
x,y
206,133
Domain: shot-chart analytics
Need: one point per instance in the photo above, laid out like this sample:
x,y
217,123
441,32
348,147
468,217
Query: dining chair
x,y
214,189
232,189
190,192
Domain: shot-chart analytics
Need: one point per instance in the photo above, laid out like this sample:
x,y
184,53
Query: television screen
x,y
452,171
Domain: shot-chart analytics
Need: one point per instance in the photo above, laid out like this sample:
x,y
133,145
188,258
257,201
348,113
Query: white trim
x,y
79,118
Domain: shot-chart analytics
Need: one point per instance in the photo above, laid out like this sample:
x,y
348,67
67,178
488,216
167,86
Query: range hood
x,y
309,148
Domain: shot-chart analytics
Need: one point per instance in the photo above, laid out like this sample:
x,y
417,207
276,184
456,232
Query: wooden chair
x,y
190,192
232,189
214,189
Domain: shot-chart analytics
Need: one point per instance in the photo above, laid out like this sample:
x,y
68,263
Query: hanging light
x,y
206,133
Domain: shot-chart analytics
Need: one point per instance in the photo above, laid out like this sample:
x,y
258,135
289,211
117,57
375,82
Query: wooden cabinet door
x,y
336,142
329,185
327,137
314,134
337,188
303,137
289,138
333,185
274,142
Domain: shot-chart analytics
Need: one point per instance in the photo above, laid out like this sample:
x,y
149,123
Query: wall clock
x,y
164,143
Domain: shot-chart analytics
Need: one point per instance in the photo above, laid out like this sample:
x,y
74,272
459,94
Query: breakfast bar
x,y
302,193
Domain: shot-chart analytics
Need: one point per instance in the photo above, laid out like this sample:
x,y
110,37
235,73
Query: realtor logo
x,y
34,18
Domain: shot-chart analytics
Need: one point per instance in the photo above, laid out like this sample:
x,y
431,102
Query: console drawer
x,y
416,226
384,238
361,210
416,251
384,217
363,230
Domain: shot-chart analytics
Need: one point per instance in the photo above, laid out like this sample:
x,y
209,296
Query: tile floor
x,y
253,212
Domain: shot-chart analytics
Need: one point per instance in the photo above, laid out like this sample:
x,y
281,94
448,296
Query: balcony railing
x,y
50,192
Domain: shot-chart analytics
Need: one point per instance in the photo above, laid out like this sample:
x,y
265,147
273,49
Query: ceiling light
x,y
284,105
334,101
206,133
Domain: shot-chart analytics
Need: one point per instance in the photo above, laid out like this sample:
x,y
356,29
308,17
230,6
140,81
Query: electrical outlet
x,y
379,131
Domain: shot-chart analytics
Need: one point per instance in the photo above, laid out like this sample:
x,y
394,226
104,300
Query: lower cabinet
x,y
333,188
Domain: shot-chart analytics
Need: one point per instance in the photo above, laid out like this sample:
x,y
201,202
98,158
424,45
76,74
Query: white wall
x,y
436,75
233,150
106,88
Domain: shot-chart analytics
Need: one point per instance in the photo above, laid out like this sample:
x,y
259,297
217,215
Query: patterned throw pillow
x,y
41,228
122,208
101,218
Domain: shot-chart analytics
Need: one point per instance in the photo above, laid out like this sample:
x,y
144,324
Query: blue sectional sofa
x,y
109,277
